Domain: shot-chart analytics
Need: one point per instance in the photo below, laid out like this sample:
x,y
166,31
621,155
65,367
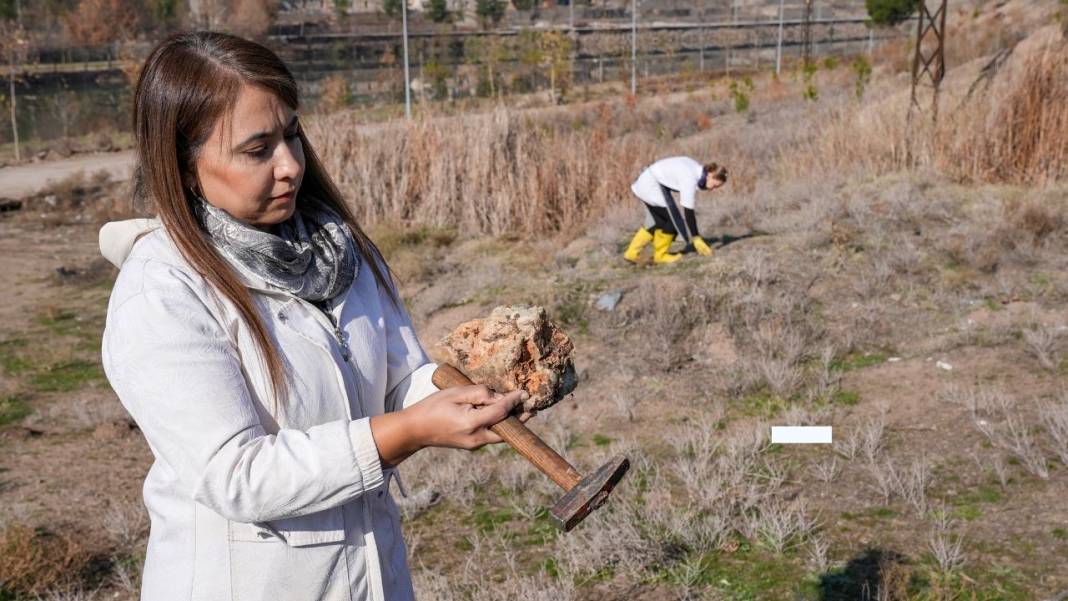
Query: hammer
x,y
582,495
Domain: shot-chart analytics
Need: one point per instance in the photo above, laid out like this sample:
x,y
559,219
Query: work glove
x,y
702,247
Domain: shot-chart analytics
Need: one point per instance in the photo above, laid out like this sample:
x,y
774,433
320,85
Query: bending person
x,y
663,220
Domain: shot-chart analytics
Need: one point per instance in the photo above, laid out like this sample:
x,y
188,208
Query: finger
x,y
526,415
477,395
492,413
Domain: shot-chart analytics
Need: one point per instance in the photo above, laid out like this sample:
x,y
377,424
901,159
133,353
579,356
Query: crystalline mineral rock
x,y
515,347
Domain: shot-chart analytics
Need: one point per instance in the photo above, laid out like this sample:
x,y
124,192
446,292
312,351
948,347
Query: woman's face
x,y
252,164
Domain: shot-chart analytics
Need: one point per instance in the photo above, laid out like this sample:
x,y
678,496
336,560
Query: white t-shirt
x,y
680,174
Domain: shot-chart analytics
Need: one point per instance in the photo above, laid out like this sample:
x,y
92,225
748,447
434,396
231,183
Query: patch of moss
x,y
747,575
967,512
981,583
1059,533
601,440
12,360
540,531
488,519
983,494
13,409
846,397
858,361
882,512
759,405
67,376
61,322
390,239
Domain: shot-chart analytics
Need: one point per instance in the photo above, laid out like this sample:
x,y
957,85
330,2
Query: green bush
x,y
392,8
740,90
490,11
438,10
862,69
890,12
808,74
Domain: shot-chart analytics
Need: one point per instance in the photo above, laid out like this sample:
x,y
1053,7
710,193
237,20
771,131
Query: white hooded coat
x,y
678,174
248,501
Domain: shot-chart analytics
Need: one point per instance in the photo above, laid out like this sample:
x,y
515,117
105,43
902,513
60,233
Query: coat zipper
x,y
342,341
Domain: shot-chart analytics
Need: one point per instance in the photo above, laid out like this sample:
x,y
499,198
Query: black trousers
x,y
666,218
658,218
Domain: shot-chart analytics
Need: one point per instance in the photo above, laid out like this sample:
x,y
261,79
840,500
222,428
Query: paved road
x,y
24,180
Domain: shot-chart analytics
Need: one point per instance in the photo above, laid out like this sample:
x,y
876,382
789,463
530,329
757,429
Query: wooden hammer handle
x,y
525,442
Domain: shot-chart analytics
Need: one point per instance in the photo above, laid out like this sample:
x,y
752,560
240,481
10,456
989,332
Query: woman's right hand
x,y
458,418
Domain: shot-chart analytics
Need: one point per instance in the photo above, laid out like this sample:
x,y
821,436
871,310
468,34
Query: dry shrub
x,y
33,562
1014,131
1036,219
772,321
998,230
666,311
336,94
999,417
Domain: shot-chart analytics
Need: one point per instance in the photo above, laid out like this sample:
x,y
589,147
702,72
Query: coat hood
x,y
117,238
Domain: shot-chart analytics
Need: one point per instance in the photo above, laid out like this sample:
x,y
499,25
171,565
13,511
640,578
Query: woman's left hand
x,y
458,417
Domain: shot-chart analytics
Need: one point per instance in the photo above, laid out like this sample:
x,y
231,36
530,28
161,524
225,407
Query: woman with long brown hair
x,y
255,335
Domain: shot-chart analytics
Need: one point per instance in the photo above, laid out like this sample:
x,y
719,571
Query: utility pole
x,y
634,47
407,79
733,32
571,14
778,47
806,35
929,60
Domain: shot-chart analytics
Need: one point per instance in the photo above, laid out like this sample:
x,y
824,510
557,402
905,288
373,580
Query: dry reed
x,y
496,173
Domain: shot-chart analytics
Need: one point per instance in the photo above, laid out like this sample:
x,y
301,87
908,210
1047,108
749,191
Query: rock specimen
x,y
516,347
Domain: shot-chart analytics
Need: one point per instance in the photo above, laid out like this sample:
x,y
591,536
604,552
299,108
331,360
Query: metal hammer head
x,y
590,493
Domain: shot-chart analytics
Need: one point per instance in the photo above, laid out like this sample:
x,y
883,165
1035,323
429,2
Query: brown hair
x,y
716,171
188,83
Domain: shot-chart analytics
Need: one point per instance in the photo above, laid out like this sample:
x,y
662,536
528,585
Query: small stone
x,y
609,300
944,366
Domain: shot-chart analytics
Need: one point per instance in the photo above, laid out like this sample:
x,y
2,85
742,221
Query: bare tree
x,y
14,40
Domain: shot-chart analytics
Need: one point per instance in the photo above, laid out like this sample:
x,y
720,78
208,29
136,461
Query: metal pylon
x,y
929,61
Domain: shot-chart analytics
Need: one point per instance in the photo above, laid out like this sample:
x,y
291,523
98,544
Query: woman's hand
x,y
457,418
460,417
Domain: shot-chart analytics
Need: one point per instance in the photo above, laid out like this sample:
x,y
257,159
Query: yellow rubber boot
x,y
637,244
661,243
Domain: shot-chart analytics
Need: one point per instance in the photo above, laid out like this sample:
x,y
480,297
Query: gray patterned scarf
x,y
313,255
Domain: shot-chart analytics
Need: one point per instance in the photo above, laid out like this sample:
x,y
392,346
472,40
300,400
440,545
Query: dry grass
x,y
1015,131
496,173
39,563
